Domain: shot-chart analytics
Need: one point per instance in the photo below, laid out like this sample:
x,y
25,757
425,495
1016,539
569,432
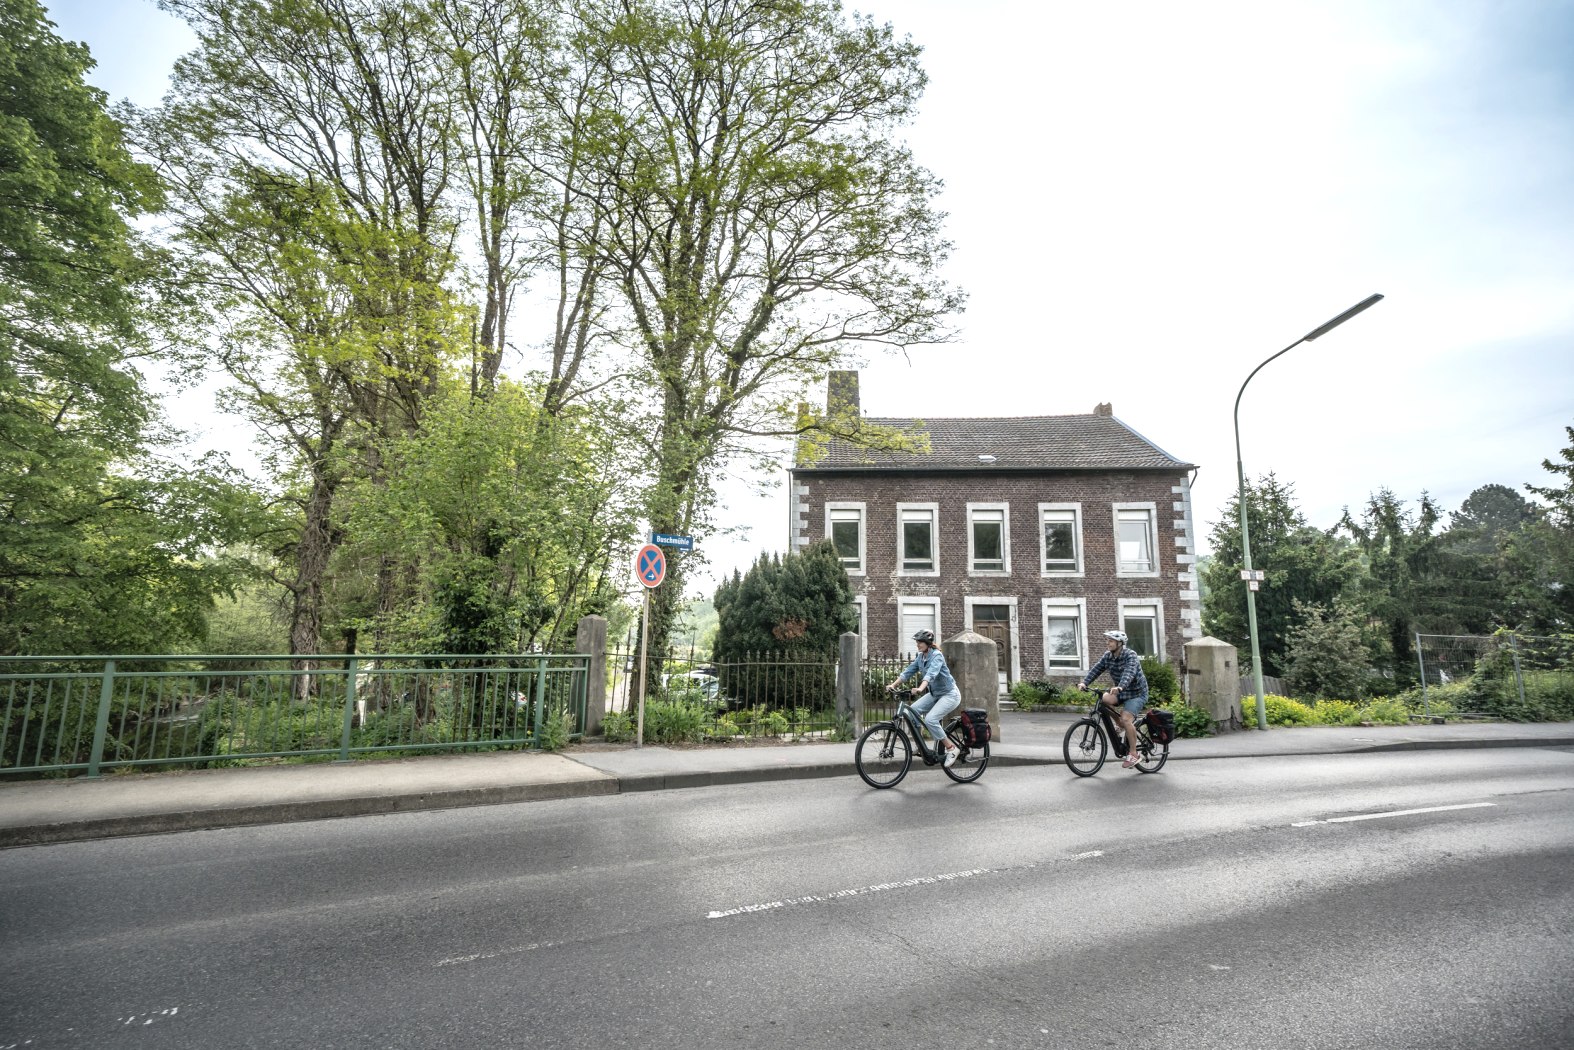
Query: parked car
x,y
701,680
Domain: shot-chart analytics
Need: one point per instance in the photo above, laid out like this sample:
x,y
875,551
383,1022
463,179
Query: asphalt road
x,y
1217,904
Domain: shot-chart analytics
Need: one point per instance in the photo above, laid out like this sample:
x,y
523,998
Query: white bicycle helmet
x,y
1119,636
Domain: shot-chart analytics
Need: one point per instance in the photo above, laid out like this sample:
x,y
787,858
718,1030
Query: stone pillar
x,y
975,662
849,680
590,638
1212,676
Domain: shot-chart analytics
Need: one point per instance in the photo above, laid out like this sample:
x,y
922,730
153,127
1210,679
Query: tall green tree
x,y
759,218
1302,564
102,546
513,529
1539,560
308,147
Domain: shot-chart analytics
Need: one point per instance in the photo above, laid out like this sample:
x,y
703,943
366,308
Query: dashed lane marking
x,y
1392,813
818,898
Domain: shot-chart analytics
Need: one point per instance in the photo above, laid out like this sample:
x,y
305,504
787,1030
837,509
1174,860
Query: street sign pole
x,y
644,641
650,568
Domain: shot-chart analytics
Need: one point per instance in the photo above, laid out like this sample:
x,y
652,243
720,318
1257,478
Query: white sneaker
x,y
950,757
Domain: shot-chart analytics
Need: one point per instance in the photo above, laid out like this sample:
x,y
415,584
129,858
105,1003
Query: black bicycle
x,y
885,750
1090,738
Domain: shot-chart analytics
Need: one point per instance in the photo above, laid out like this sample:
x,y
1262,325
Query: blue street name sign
x,y
682,543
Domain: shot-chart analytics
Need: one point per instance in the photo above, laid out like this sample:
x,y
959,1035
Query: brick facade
x,y
1171,586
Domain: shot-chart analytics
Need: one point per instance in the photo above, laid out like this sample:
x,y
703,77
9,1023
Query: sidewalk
x,y
36,812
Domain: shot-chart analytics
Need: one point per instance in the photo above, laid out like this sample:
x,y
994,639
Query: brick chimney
x,y
841,394
1105,409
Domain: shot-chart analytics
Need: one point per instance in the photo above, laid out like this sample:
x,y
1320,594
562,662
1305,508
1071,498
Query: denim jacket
x,y
936,672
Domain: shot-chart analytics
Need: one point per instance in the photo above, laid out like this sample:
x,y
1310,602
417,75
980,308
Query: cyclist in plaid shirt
x,y
1129,695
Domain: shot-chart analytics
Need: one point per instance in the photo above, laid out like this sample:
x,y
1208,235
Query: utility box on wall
x,y
1213,681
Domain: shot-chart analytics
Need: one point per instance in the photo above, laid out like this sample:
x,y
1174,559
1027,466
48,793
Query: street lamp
x,y
1240,473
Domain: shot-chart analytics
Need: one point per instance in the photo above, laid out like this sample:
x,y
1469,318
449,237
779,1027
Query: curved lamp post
x,y
1240,473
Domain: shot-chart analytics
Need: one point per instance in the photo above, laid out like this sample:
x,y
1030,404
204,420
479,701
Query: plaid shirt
x,y
1125,670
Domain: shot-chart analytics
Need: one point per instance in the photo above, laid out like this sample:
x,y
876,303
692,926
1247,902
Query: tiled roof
x,y
1090,442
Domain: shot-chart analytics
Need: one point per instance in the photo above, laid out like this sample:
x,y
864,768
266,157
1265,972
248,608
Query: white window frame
x,y
1076,539
863,532
1152,511
1015,672
1081,607
904,643
861,602
1156,604
1004,510
934,539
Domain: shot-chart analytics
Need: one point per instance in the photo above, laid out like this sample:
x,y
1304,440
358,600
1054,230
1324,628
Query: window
x,y
1134,540
918,614
861,606
1060,538
1063,635
988,538
844,525
916,522
1141,624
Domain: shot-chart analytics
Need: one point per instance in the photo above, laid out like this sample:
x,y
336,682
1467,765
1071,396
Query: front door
x,y
994,623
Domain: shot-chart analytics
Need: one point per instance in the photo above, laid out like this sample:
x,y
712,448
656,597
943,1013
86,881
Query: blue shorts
x,y
1132,704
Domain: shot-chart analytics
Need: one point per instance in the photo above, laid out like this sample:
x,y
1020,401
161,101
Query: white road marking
x,y
1392,813
497,954
815,898
1089,853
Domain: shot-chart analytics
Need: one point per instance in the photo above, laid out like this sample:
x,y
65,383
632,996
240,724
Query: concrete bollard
x,y
975,663
849,680
590,637
1212,674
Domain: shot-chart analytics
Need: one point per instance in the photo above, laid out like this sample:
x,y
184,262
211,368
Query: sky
x,y
1148,199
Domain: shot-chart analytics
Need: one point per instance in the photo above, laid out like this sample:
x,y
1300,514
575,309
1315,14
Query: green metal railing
x,y
84,714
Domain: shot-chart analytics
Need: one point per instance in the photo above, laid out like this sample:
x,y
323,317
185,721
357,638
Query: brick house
x,y
1040,532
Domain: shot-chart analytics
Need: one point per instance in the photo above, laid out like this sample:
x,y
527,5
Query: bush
x,y
1163,682
776,724
1336,713
555,730
617,727
1191,721
722,729
673,723
1282,711
1386,712
1028,697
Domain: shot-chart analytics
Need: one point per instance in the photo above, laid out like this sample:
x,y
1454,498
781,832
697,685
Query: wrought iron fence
x,y
780,693
86,714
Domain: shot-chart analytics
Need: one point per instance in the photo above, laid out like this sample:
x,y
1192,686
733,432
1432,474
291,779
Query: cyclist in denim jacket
x,y
941,695
1129,695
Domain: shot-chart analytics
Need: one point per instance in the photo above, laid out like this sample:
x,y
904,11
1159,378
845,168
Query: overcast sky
x,y
1149,198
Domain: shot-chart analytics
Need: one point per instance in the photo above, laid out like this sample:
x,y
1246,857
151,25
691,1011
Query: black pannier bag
x,y
1161,725
976,729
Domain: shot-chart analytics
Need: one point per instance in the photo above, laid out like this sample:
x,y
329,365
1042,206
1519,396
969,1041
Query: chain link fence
x,y
1503,675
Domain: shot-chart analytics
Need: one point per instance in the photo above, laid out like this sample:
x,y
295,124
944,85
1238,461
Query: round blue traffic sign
x,y
650,565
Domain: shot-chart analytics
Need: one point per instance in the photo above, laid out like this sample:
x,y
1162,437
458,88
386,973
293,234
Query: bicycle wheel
x,y
1153,755
1085,747
970,762
883,756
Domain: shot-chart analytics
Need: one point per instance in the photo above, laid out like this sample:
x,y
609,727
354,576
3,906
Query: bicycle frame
x,y
906,717
1112,730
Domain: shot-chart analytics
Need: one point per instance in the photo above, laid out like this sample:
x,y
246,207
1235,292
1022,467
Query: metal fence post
x,y
101,728
349,710
1426,705
541,691
1519,678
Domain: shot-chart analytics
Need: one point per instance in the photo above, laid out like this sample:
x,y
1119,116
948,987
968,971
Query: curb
x,y
295,812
